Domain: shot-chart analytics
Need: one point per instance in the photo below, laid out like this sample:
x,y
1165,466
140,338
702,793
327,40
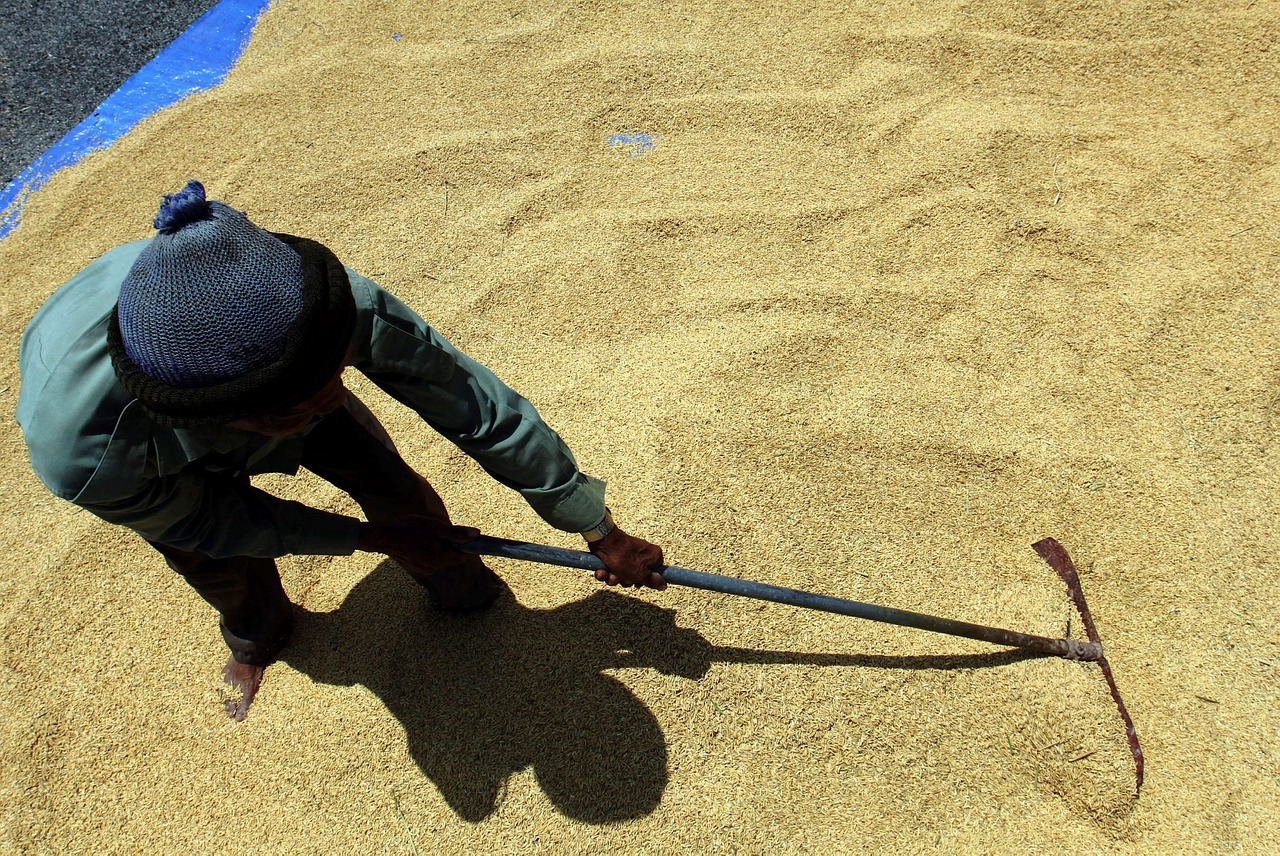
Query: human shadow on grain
x,y
482,697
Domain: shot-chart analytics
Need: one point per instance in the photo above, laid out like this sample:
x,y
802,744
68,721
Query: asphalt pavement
x,y
60,58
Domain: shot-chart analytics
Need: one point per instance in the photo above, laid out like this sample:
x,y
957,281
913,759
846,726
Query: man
x,y
164,375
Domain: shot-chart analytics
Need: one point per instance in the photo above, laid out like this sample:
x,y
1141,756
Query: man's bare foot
x,y
244,680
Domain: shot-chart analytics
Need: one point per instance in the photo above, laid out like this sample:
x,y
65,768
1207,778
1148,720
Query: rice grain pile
x,y
861,300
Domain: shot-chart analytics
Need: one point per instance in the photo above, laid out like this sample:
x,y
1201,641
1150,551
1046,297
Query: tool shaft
x,y
1072,649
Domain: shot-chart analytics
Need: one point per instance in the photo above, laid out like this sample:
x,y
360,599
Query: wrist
x,y
601,530
368,538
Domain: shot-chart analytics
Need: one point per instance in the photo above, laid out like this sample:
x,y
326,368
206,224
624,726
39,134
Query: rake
x,y
1048,549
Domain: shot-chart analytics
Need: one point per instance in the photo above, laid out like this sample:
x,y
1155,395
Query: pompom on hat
x,y
219,319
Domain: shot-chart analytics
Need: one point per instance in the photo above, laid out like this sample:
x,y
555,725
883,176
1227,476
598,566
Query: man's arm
x,y
220,516
471,407
501,430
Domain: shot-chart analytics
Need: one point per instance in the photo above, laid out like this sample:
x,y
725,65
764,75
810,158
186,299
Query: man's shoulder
x,y
80,304
374,301
394,340
70,417
70,401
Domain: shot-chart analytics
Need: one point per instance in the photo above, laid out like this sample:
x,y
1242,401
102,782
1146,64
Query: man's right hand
x,y
424,544
629,561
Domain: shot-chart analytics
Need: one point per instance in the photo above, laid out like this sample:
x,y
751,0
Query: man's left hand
x,y
629,561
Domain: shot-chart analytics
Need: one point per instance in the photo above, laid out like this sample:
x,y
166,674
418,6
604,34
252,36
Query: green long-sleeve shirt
x,y
92,443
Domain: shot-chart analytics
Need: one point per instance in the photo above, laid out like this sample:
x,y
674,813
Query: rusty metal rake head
x,y
1053,553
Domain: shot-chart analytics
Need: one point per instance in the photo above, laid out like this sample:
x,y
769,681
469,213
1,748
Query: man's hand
x,y
244,680
630,561
422,544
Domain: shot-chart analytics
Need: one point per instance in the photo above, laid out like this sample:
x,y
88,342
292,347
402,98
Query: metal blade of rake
x,y
1056,557
1049,550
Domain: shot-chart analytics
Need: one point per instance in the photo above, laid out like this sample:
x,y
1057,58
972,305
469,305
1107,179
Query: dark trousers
x,y
349,449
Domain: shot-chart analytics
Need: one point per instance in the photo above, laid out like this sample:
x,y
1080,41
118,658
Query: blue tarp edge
x,y
197,60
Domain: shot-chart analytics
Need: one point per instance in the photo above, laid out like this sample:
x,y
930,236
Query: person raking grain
x,y
160,378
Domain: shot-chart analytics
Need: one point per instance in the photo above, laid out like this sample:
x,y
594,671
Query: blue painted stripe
x,y
197,60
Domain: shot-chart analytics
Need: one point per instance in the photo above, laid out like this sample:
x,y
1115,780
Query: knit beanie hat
x,y
218,319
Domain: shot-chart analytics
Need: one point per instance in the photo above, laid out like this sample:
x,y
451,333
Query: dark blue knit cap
x,y
211,298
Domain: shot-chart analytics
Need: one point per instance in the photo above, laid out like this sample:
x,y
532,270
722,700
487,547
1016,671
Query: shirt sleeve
x,y
467,404
215,514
